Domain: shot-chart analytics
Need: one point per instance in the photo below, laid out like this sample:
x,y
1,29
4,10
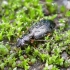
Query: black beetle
x,y
37,31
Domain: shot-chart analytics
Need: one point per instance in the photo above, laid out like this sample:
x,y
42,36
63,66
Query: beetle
x,y
36,31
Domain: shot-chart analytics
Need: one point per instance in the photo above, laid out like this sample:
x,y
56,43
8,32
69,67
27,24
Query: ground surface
x,y
51,55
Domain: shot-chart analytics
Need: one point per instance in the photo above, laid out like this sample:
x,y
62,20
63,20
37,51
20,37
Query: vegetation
x,y
15,19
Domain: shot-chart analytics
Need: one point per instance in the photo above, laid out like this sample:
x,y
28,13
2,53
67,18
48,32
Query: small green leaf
x,y
67,14
62,8
1,36
33,60
3,50
28,49
21,58
2,66
49,1
35,53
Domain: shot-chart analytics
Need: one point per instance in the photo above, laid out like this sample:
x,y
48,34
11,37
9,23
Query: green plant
x,y
25,13
67,63
35,53
24,64
28,49
62,9
15,19
10,59
2,65
3,50
49,1
52,7
67,14
33,60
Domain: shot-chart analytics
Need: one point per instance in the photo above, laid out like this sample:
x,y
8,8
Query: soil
x,y
37,66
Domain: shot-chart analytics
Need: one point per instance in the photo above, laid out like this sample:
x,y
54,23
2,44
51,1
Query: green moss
x,y
3,50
